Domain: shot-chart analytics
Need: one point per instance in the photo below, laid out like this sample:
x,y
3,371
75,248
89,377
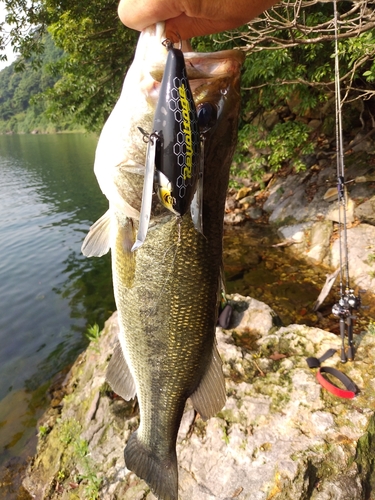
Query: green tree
x,y
289,69
98,50
18,88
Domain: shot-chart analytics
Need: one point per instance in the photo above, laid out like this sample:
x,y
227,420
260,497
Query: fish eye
x,y
207,116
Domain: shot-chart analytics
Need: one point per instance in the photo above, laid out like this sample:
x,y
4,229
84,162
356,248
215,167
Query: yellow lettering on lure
x,y
187,132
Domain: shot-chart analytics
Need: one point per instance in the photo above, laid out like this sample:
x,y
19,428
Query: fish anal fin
x,y
97,241
210,396
118,375
160,473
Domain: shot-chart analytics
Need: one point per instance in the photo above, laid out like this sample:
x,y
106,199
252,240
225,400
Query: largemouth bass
x,y
168,290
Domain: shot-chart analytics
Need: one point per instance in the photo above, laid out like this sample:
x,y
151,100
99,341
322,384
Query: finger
x,y
146,13
184,27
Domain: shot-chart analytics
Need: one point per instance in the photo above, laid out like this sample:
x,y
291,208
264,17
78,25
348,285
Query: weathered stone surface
x,y
305,210
366,211
254,212
233,219
292,206
330,194
314,124
362,142
336,213
361,255
320,237
296,235
280,435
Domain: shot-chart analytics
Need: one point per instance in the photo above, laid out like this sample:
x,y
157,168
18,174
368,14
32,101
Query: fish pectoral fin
x,y
118,375
210,396
97,241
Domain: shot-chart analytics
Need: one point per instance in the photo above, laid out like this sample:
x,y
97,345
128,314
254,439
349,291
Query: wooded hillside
x,y
20,109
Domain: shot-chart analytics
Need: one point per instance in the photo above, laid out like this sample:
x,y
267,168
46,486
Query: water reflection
x,y
254,267
49,292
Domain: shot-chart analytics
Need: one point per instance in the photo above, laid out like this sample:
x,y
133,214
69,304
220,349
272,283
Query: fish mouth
x,y
213,64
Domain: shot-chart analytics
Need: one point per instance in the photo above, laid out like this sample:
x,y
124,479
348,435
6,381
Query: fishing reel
x,y
343,309
346,304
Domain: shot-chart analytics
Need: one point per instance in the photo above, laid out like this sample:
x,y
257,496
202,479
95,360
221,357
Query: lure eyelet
x,y
167,43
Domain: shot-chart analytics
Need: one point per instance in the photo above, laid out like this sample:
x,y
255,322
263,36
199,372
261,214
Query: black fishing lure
x,y
178,143
173,153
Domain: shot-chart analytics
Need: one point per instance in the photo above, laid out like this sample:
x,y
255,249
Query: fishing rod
x,y
348,301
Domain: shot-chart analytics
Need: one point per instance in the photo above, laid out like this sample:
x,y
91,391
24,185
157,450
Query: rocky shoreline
x,y
280,435
304,208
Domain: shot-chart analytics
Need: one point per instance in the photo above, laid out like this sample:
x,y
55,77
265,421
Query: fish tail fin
x,y
158,472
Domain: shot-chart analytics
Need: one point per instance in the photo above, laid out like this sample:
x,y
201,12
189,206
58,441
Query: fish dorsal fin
x,y
210,396
97,241
118,375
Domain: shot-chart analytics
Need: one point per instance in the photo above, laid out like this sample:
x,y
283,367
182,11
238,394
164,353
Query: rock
x,y
233,219
360,192
267,177
250,200
310,160
303,206
230,204
362,142
280,435
366,211
320,237
361,255
295,232
336,214
365,178
287,201
244,191
254,212
294,102
308,195
314,124
330,194
270,119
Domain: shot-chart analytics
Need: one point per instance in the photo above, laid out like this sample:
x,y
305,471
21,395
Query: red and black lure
x,y
174,148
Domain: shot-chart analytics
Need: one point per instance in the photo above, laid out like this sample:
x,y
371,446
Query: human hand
x,y
188,18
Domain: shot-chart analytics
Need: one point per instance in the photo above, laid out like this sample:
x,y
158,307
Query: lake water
x,y
49,292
